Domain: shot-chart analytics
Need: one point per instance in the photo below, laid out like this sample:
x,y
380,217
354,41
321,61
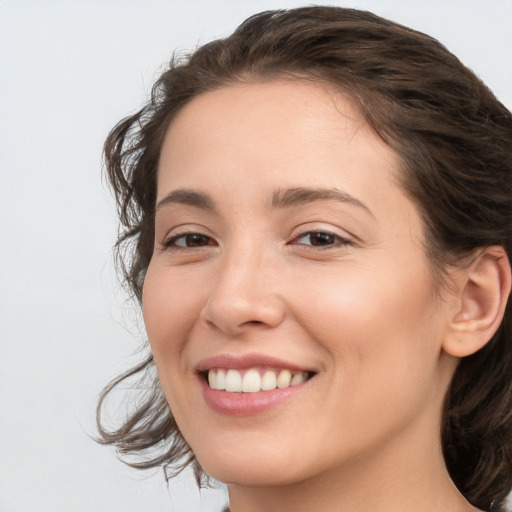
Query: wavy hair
x,y
454,141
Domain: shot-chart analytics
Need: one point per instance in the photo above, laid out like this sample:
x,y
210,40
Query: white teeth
x,y
298,378
220,380
251,383
284,379
268,381
251,380
212,380
233,381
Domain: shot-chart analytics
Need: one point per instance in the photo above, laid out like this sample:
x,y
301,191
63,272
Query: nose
x,y
243,294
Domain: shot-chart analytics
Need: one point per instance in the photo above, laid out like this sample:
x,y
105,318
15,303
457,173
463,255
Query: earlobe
x,y
484,291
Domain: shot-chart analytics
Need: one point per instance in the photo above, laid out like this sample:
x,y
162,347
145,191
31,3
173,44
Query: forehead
x,y
289,108
276,134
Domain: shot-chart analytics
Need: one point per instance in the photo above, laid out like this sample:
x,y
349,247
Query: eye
x,y
189,241
320,239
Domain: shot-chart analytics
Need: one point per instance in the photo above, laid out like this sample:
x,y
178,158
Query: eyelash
x,y
170,244
336,241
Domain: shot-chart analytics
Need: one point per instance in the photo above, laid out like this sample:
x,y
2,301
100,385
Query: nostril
x,y
232,314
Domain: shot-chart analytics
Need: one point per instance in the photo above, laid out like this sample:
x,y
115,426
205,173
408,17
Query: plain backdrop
x,y
69,70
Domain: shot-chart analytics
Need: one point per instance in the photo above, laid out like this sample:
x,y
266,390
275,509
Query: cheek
x,y
171,304
382,332
355,301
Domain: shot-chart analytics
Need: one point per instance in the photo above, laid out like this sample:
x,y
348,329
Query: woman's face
x,y
285,249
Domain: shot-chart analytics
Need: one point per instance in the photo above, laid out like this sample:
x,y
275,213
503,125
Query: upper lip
x,y
247,361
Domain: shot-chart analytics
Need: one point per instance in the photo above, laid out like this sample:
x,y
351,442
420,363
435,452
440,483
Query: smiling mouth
x,y
254,380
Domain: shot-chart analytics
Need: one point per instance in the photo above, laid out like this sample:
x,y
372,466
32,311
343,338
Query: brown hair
x,y
454,140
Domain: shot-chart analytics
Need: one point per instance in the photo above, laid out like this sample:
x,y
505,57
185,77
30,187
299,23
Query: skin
x,y
358,306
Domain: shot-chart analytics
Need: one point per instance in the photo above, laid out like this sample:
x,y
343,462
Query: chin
x,y
249,474
258,463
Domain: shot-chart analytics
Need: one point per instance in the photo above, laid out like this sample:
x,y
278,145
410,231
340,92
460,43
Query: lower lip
x,y
247,404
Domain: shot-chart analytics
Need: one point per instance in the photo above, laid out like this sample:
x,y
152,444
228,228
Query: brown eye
x,y
319,239
189,240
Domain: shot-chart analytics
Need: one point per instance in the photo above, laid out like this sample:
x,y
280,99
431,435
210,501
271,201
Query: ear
x,y
483,289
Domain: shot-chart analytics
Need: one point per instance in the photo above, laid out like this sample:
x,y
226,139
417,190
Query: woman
x,y
316,212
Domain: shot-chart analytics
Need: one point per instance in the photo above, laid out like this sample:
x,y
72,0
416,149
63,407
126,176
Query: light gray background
x,y
69,70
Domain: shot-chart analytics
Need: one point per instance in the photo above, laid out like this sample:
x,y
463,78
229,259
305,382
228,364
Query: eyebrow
x,y
299,196
188,197
285,198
